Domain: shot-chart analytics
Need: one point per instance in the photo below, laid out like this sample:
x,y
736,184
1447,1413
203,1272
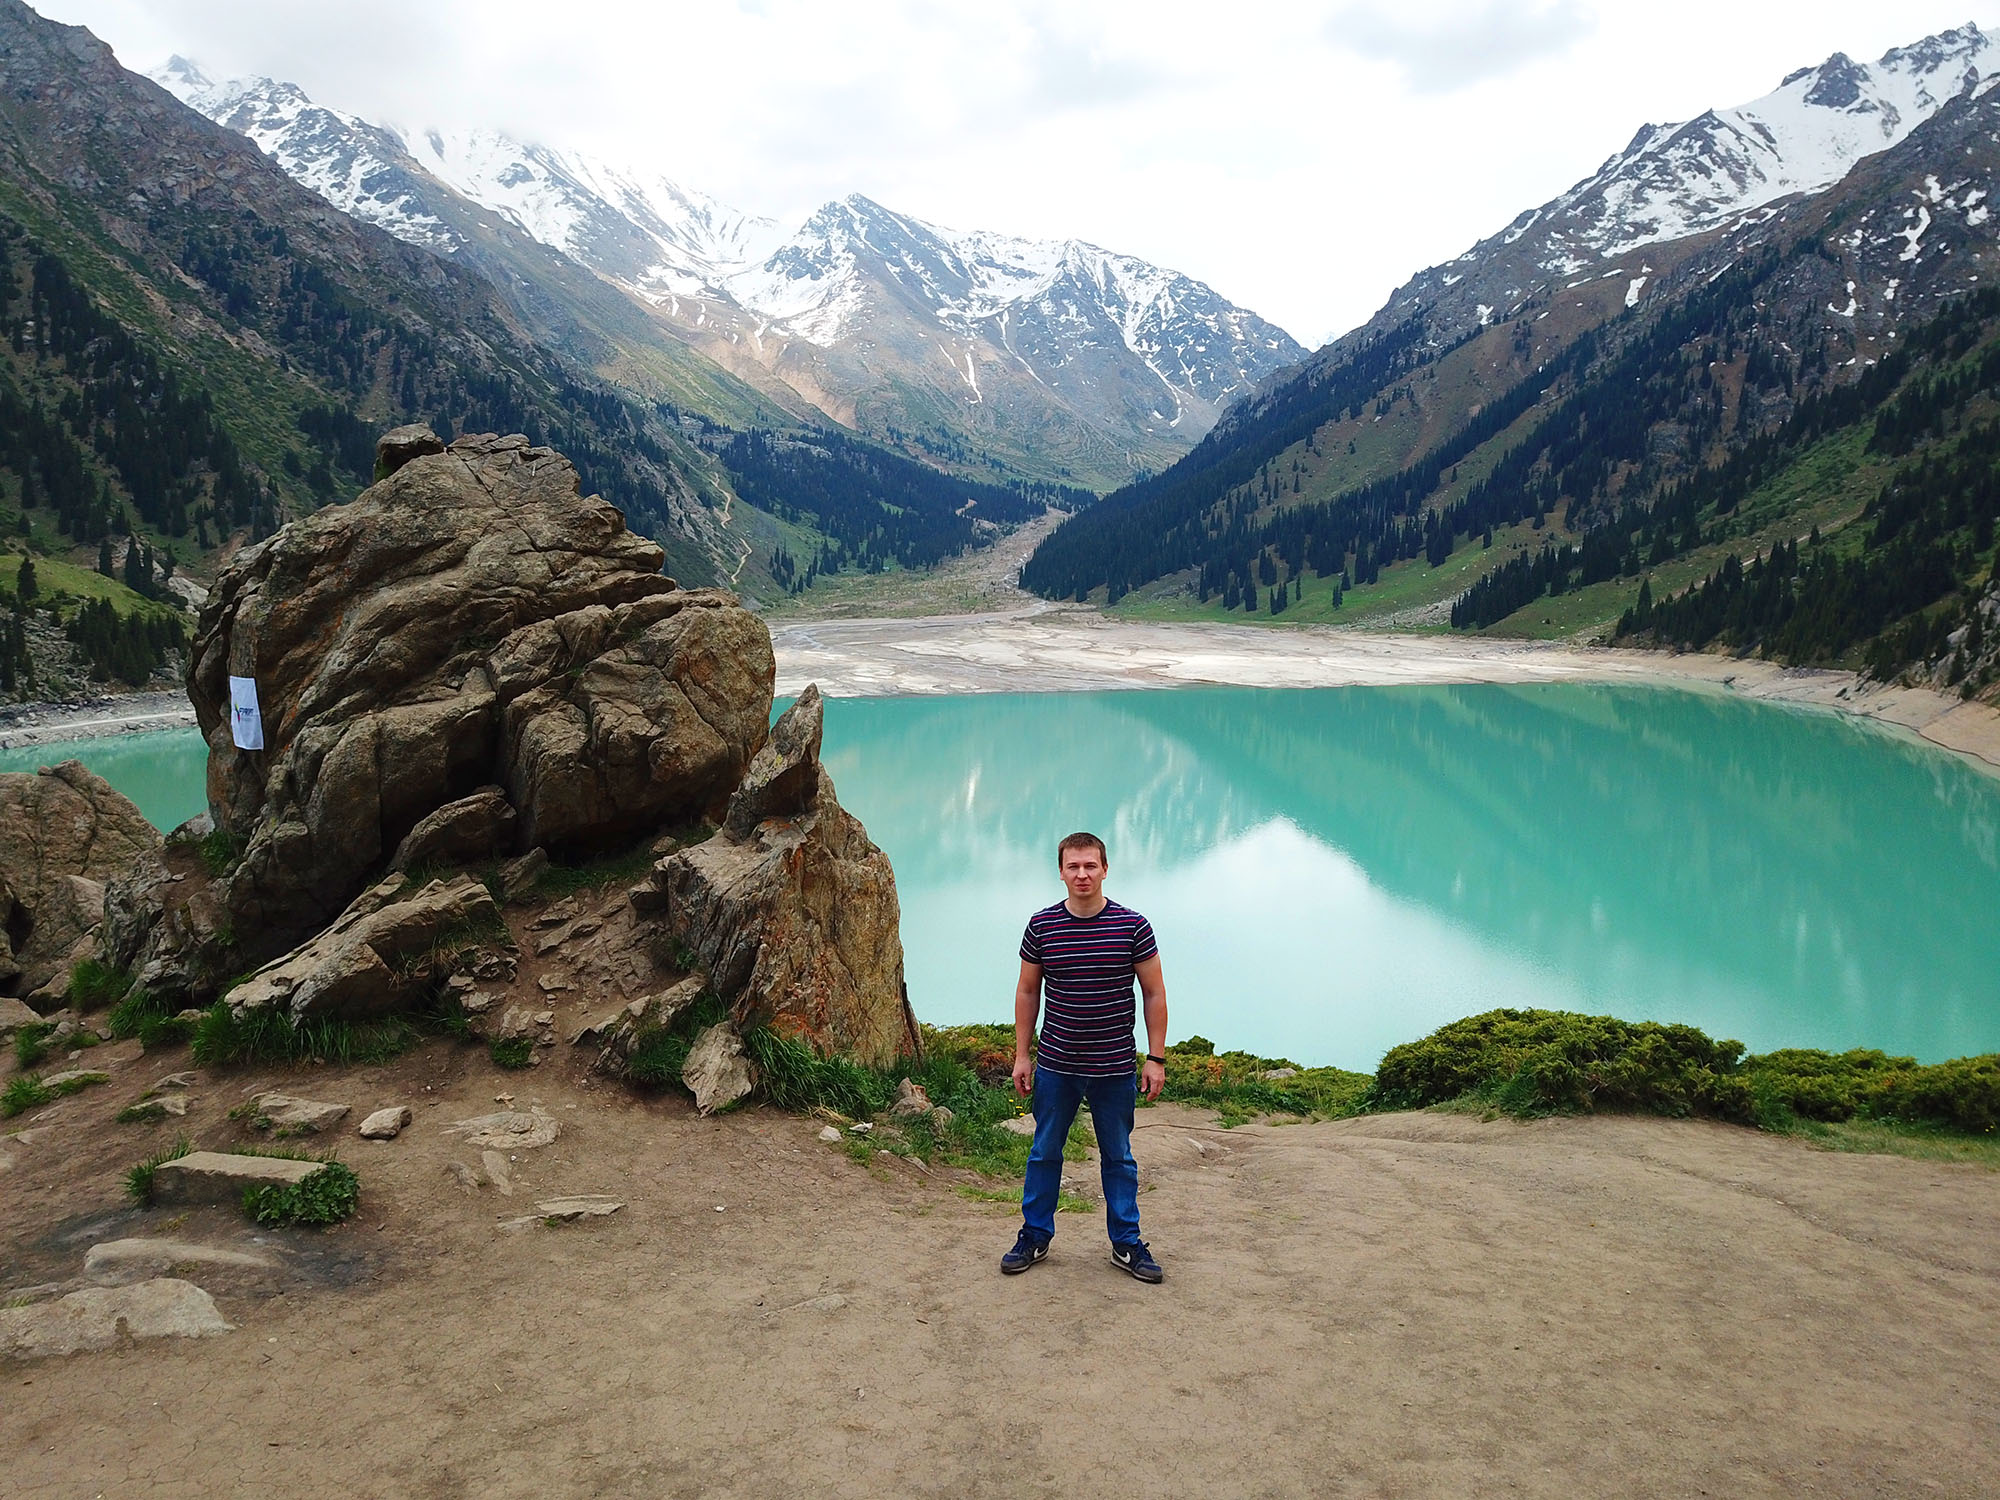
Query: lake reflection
x,y
1333,872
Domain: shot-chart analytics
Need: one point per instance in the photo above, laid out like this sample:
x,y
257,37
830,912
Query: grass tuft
x,y
139,1181
31,1043
266,1035
23,1092
94,985
220,851
512,1052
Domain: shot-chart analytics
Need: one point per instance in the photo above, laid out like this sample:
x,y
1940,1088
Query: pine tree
x,y
104,558
26,587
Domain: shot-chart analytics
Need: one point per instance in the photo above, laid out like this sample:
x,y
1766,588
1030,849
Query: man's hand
x,y
1024,1074
1152,1078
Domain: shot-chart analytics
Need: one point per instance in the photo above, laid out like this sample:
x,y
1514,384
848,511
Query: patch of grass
x,y
140,1015
222,1037
23,1092
623,868
94,985
327,1197
659,1054
793,1076
511,1052
1231,1083
139,1181
220,851
1900,1138
31,1043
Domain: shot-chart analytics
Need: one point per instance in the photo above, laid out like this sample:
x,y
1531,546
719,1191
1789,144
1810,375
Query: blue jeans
x,y
1111,1100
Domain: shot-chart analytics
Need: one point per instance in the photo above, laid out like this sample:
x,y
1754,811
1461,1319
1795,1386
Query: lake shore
x,y
1042,649
29,724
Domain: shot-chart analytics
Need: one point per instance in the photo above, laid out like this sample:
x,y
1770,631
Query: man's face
x,y
1082,872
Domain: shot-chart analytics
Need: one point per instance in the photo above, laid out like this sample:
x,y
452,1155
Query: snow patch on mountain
x,y
1676,180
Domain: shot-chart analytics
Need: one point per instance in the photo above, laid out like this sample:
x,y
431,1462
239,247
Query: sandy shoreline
x,y
1058,650
1044,649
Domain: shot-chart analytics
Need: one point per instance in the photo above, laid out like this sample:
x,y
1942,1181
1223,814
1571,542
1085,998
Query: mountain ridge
x,y
1054,359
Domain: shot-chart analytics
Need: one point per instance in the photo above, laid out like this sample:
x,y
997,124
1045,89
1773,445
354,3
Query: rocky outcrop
x,y
471,634
63,833
790,909
382,955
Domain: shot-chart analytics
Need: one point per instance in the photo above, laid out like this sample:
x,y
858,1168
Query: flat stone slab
x,y
569,1210
386,1124
118,1261
1020,1125
103,1317
507,1130
221,1177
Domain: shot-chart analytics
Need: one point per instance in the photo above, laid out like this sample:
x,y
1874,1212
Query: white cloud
x,y
1440,48
1246,145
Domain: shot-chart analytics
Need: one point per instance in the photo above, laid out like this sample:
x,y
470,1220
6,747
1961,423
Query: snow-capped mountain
x,y
1055,356
647,233
1723,170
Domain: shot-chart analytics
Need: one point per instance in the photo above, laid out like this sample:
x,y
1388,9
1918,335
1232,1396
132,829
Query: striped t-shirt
x,y
1087,965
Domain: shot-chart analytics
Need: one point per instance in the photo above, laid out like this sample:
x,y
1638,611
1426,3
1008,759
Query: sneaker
x,y
1136,1260
1027,1250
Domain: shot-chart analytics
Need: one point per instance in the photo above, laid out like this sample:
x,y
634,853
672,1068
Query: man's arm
x,y
1153,987
1027,1006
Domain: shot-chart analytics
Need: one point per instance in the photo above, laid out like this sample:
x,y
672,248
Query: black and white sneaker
x,y
1026,1252
1137,1261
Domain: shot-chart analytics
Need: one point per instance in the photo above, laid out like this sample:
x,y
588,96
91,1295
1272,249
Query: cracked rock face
x,y
469,630
791,909
63,832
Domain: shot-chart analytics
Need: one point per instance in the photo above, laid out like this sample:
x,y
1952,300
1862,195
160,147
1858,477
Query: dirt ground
x,y
1414,1305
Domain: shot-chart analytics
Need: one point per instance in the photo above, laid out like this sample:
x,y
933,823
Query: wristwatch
x,y
1160,1060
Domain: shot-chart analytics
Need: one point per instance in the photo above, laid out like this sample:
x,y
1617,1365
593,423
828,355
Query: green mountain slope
x,y
1533,476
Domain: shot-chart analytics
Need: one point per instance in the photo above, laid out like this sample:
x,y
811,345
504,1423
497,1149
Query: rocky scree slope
x,y
473,660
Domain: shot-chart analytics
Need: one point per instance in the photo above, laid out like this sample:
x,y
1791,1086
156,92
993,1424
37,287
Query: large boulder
x,y
470,621
790,909
63,833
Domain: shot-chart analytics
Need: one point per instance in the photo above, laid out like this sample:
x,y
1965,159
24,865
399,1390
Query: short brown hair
x,y
1083,841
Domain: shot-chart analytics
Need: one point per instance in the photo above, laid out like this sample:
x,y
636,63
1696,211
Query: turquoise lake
x,y
1335,871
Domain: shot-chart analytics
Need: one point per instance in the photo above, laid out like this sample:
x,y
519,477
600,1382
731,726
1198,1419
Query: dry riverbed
x,y
1403,1305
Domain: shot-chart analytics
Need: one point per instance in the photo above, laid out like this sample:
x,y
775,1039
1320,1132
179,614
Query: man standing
x,y
1084,952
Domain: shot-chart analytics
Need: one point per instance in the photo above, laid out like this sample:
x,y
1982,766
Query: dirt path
x,y
1417,1305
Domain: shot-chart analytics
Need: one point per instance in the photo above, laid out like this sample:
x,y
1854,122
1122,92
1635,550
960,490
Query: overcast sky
x,y
1302,158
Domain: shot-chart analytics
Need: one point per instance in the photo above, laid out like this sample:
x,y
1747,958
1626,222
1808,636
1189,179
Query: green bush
x,y
1530,1062
94,985
660,1052
328,1196
1801,1083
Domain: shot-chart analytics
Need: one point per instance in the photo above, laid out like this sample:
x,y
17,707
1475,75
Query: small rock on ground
x,y
829,1133
716,1072
386,1124
1020,1125
296,1116
75,1078
221,1177
496,1172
